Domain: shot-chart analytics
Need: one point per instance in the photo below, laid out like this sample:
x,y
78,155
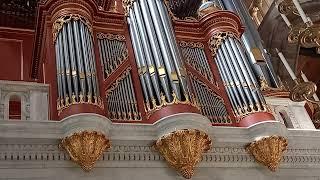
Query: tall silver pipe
x,y
138,56
146,47
150,29
237,64
86,59
170,35
251,37
102,57
230,79
66,60
141,58
92,63
230,94
164,47
234,75
59,70
255,86
74,71
79,57
244,69
62,70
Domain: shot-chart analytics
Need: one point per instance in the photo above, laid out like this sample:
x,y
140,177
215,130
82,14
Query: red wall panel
x,y
16,46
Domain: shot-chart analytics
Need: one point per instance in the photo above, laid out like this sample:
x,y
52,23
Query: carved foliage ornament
x,y
127,4
217,39
58,24
183,149
268,151
287,7
85,148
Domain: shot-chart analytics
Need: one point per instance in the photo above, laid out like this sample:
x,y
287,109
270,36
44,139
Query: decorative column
x,y
258,57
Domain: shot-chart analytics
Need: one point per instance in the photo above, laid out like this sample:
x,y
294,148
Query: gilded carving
x,y
183,149
58,24
268,151
303,91
85,148
217,39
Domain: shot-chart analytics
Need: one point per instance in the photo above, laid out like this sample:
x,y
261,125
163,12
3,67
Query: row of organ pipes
x,y
156,52
161,62
75,60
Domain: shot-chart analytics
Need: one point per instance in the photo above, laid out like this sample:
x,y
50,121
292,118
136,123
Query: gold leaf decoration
x,y
183,149
85,148
268,151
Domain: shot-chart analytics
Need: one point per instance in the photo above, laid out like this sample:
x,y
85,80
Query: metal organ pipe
x,y
86,60
141,57
66,62
79,58
75,63
146,47
154,44
138,55
59,73
164,47
150,29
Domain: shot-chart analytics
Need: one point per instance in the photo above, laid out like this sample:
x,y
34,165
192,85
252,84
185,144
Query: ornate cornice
x,y
218,21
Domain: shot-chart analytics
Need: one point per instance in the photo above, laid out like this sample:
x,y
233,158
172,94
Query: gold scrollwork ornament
x,y
183,149
85,148
268,151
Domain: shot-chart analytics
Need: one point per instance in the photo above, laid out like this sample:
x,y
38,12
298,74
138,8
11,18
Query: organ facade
x,y
139,89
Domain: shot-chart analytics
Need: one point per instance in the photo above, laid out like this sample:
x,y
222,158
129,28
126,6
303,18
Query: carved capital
x,y
268,151
85,148
183,149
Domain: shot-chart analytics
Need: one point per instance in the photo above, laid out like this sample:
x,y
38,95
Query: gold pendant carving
x,y
85,148
268,151
303,91
183,149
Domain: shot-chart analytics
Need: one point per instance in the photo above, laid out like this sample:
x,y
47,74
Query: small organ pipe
x,y
73,61
234,76
164,48
155,48
79,58
243,68
140,50
66,61
86,59
138,55
92,63
230,79
59,70
236,63
147,48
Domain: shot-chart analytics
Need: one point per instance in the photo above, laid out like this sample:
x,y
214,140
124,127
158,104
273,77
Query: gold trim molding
x,y
183,149
85,148
268,151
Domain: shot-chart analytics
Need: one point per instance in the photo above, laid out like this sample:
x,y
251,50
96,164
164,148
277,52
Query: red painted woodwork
x,y
171,110
255,118
15,54
81,108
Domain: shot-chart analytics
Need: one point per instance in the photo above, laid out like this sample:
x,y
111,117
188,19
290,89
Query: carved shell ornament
x,y
268,151
183,149
85,148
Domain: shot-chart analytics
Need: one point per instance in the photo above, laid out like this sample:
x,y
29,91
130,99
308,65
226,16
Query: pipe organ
x,y
145,62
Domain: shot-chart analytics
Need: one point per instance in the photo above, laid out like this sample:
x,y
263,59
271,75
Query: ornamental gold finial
x,y
268,151
85,148
183,149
